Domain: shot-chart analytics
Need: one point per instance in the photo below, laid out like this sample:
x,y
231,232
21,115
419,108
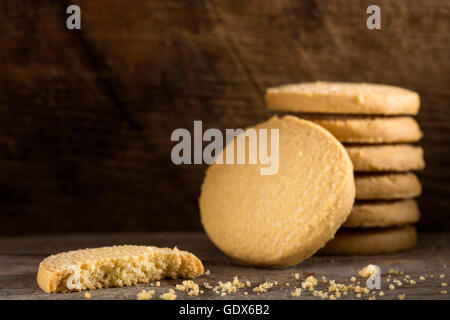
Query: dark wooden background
x,y
86,116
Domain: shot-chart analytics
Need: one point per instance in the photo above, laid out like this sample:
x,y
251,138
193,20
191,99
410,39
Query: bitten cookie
x,y
114,267
387,186
395,158
371,241
281,219
383,214
353,129
343,98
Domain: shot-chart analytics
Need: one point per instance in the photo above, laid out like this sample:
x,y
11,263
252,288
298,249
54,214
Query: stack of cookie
x,y
375,125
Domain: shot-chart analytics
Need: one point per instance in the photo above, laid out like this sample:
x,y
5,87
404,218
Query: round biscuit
x,y
343,98
387,186
280,219
383,214
373,130
385,158
372,241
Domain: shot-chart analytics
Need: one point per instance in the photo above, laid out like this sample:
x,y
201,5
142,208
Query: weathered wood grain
x,y
86,116
21,256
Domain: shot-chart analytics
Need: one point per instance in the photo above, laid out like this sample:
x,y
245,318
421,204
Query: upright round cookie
x,y
354,129
343,98
280,219
383,158
371,241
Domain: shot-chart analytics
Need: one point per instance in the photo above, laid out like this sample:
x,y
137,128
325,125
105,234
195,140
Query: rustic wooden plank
x,y
21,256
86,116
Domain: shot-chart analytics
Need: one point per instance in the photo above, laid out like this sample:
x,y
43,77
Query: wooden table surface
x,y
20,257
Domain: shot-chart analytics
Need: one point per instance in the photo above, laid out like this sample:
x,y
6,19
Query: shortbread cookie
x,y
280,219
383,214
395,158
353,129
372,241
343,98
114,267
387,186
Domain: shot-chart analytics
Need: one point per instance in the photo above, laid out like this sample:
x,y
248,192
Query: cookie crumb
x,y
190,286
412,282
296,276
158,284
391,287
230,287
309,283
372,298
263,287
381,293
170,295
368,271
87,295
297,292
401,296
353,279
398,282
145,295
444,284
421,278
442,276
393,271
207,273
